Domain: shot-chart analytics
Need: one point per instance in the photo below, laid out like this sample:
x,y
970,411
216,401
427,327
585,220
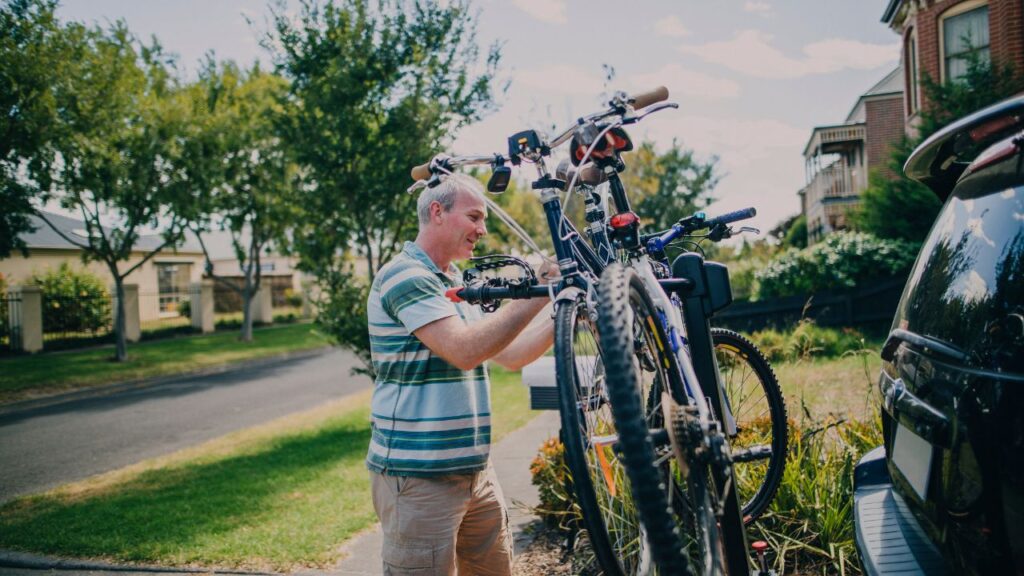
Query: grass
x,y
26,376
844,387
281,496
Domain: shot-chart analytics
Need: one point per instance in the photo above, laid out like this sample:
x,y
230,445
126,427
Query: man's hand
x,y
548,271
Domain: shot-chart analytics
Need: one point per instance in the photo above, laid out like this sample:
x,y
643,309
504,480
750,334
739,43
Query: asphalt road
x,y
45,447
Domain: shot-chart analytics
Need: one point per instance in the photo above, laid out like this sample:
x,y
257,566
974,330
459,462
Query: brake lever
x,y
648,111
744,229
416,186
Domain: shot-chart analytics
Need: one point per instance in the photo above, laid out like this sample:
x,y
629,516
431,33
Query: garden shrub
x,y
843,260
549,473
185,308
292,298
807,340
74,300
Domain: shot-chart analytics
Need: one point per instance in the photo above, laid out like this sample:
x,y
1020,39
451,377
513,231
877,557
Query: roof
x,y
890,85
890,11
45,237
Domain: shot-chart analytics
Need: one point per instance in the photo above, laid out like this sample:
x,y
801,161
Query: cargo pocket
x,y
407,560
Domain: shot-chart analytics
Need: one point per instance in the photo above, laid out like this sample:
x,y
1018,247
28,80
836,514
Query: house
x,y
163,280
838,158
939,36
277,271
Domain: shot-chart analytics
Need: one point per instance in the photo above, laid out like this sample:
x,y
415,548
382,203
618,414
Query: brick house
x,y
939,35
839,157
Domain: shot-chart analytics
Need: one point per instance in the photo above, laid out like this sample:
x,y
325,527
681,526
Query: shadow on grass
x,y
224,510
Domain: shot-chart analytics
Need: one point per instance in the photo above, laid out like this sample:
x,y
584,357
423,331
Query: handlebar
x,y
475,294
621,104
731,217
442,163
656,242
645,99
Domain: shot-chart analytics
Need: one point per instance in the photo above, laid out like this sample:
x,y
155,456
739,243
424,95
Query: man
x,y
438,500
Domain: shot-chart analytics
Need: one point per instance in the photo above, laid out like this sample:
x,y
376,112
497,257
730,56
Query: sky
x,y
752,77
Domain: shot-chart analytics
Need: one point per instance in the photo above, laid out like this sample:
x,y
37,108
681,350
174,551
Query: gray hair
x,y
445,194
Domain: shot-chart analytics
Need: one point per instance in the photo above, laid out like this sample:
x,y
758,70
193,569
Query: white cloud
x,y
757,6
681,81
670,26
560,79
751,52
551,11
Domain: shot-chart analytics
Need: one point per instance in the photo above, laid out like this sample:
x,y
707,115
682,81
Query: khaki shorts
x,y
452,524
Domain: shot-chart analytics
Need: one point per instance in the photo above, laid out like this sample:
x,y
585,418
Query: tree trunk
x,y
246,334
121,343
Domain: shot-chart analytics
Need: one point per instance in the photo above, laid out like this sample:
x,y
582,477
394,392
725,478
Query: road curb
x,y
106,389
12,559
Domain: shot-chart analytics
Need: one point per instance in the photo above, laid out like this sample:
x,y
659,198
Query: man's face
x,y
464,224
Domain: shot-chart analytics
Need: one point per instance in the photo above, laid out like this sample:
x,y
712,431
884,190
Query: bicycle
x,y
576,259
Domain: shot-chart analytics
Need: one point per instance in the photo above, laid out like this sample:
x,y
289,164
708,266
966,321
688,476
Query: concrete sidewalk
x,y
511,458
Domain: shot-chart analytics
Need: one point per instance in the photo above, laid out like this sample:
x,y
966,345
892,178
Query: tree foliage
x,y
117,161
377,88
664,187
251,185
35,61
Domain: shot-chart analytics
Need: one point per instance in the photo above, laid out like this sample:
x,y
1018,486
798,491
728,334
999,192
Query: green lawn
x,y
280,496
844,387
26,376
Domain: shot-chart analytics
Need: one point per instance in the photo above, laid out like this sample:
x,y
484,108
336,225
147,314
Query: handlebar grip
x,y
732,217
421,172
645,99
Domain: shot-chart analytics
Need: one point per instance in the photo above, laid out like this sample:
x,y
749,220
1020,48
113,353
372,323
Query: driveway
x,y
42,448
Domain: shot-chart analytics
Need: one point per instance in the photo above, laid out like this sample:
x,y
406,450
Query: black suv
x,y
945,493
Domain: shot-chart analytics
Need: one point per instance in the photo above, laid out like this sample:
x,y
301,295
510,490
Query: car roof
x,y
941,159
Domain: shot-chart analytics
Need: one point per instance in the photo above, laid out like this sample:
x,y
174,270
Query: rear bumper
x,y
889,538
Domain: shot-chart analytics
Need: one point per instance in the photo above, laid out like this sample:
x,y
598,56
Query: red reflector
x,y
624,219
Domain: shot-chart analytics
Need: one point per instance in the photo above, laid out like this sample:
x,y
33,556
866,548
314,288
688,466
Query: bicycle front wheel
x,y
674,506
589,435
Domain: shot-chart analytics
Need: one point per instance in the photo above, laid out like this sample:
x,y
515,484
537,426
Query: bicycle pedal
x,y
753,453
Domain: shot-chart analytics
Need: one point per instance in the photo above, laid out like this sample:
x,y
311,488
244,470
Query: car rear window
x,y
968,282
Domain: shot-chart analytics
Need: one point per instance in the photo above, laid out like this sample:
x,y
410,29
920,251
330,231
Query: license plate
x,y
912,455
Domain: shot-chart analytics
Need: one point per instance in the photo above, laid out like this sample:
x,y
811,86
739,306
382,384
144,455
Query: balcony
x,y
836,182
834,139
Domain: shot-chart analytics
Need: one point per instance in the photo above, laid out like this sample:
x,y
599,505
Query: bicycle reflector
x,y
624,219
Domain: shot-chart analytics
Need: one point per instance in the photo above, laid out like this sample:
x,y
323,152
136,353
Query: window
x,y
172,283
911,67
964,36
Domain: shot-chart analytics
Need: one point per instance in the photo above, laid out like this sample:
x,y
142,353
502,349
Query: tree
x,y
665,187
903,209
252,182
377,88
791,232
117,158
34,62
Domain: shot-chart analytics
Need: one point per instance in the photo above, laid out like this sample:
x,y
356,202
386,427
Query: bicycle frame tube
x,y
567,241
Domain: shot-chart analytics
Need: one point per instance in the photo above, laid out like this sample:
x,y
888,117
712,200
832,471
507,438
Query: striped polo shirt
x,y
429,417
